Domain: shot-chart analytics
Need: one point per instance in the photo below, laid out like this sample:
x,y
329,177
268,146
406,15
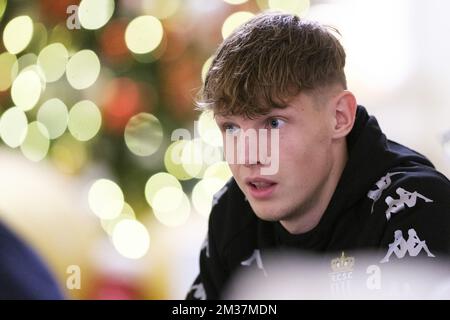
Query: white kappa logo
x,y
400,247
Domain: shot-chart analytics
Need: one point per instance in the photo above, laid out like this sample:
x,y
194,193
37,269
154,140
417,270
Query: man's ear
x,y
345,113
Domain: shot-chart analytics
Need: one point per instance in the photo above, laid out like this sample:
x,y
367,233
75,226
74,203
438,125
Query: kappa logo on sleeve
x,y
406,198
413,246
382,185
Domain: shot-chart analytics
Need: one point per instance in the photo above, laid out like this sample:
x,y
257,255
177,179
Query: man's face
x,y
305,147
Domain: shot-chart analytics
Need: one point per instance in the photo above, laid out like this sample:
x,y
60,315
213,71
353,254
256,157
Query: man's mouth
x,y
260,188
261,185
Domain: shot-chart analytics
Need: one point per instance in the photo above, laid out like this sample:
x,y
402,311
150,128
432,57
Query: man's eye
x,y
229,128
275,123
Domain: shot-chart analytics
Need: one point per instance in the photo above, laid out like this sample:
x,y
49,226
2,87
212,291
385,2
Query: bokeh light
x,y
94,14
60,33
112,42
203,193
173,162
205,67
17,34
196,156
158,181
54,116
37,142
208,129
23,62
123,99
131,239
143,34
68,154
219,170
39,39
7,61
167,199
13,126
83,69
106,199
26,89
53,60
143,134
299,7
3,4
235,20
171,206
192,158
85,120
109,224
235,2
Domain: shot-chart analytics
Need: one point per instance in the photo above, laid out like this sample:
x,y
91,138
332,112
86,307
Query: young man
x,y
340,185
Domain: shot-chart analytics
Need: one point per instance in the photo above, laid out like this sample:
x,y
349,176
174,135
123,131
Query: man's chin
x,y
266,214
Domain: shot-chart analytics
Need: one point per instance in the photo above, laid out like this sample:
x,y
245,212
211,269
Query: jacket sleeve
x,y
417,211
414,251
212,276
23,275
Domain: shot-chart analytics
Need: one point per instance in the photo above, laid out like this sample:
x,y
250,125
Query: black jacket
x,y
388,196
22,273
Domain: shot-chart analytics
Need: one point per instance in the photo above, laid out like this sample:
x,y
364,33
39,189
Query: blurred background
x,y
106,169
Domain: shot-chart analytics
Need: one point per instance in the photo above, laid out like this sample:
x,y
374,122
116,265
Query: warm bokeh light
x,y
7,61
173,162
235,20
40,37
54,116
68,154
234,2
192,158
196,156
171,206
60,33
143,134
94,14
37,142
109,224
208,129
143,34
205,67
167,199
3,4
203,192
158,181
17,34
131,239
83,69
123,99
26,89
219,170
23,62
106,199
85,120
299,7
53,60
13,126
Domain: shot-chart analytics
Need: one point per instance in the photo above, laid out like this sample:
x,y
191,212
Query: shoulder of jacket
x,y
231,214
421,190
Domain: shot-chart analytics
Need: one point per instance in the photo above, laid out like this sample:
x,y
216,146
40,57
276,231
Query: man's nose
x,y
250,150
